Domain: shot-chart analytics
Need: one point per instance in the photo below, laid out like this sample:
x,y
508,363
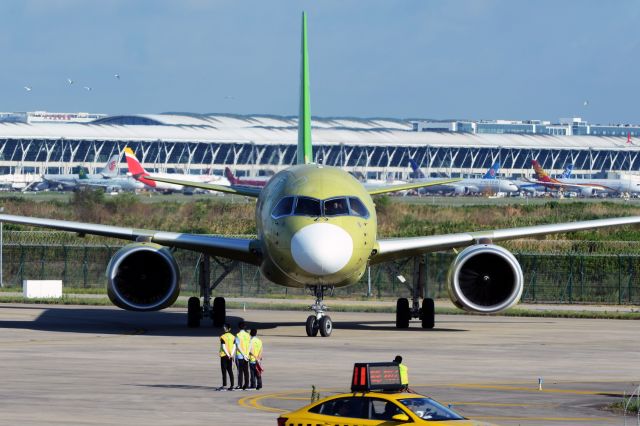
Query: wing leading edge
x,y
243,249
396,248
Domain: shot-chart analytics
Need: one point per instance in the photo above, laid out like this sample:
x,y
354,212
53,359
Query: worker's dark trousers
x,y
226,364
255,376
243,373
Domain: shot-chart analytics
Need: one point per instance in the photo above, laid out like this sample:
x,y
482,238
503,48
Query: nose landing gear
x,y
320,321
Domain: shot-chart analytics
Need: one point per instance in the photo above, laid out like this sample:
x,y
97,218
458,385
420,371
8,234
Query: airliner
x,y
316,229
489,183
113,184
586,187
525,185
68,181
138,172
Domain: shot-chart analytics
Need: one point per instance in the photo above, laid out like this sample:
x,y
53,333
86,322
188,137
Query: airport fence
x,y
549,278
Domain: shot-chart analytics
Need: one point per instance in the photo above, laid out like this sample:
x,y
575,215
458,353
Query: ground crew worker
x,y
227,352
404,372
242,356
255,358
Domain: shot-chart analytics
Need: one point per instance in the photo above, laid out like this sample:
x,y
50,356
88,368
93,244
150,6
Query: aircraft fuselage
x,y
317,226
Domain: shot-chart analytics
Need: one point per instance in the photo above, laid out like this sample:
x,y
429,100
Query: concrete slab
x,y
97,365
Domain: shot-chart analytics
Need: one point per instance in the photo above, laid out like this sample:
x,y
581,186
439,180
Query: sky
x,y
439,59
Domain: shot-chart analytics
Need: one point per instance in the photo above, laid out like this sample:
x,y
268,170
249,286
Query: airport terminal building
x,y
260,144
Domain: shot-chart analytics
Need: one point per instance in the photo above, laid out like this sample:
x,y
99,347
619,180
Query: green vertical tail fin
x,y
305,150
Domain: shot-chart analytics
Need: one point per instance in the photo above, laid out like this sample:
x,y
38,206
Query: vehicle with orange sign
x,y
377,398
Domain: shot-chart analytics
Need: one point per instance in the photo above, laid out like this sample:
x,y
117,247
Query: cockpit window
x,y
336,207
283,208
307,207
358,208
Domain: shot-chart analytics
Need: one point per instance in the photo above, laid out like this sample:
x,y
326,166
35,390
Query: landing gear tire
x,y
428,313
219,311
403,313
326,326
312,326
194,313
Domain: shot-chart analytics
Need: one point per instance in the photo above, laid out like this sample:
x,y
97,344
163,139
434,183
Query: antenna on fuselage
x,y
305,150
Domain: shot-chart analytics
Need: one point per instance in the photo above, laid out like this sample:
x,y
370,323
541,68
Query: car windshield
x,y
428,409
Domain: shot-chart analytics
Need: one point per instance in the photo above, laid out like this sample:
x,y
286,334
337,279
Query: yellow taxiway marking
x,y
255,401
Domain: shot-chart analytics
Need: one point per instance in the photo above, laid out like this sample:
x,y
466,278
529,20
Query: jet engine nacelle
x,y
588,192
485,278
143,277
461,190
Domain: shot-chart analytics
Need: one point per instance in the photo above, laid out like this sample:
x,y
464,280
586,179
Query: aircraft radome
x,y
316,228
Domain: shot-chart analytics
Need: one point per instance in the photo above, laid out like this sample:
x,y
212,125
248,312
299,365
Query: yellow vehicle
x,y
378,397
375,408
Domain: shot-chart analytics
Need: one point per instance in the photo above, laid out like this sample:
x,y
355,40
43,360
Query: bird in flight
x,y
87,88
28,88
69,81
117,76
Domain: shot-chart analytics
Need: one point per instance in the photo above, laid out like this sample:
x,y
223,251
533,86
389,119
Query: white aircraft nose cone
x,y
321,248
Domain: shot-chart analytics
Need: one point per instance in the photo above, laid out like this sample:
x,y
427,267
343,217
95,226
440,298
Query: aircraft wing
x,y
408,186
396,248
243,249
236,189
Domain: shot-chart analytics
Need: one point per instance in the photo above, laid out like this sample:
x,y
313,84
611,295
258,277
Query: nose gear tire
x,y
312,326
326,326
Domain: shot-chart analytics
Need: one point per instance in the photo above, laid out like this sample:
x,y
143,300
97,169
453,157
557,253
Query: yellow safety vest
x,y
243,342
255,352
228,341
404,374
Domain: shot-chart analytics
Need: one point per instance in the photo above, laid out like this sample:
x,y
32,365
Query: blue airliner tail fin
x,y
493,171
566,174
416,169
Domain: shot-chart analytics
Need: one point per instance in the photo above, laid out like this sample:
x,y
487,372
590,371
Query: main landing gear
x,y
319,321
218,312
404,311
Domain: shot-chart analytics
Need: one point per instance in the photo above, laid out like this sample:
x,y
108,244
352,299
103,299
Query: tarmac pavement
x,y
101,365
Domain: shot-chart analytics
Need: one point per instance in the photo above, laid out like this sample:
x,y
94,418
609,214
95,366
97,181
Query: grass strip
x,y
631,404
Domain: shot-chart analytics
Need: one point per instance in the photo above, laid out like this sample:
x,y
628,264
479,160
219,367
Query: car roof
x,y
382,395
